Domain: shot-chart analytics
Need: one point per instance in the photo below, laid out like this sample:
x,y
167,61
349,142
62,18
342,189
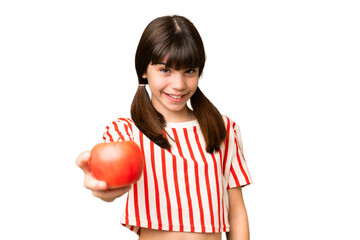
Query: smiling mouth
x,y
175,97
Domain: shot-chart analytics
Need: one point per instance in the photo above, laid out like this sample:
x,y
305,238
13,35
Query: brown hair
x,y
176,38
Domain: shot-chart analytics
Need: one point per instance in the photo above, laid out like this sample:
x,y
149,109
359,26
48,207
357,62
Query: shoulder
x,y
123,121
232,129
119,130
230,124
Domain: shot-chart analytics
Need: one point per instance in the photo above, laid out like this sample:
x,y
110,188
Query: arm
x,y
238,219
119,130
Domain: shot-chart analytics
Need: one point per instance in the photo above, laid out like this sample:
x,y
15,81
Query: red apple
x,y
119,164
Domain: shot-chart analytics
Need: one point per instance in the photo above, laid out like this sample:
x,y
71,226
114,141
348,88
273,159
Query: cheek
x,y
193,84
155,84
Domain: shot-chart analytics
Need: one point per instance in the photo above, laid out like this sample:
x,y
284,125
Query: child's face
x,y
171,89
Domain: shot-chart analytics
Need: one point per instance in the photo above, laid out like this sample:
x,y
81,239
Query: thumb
x,y
83,161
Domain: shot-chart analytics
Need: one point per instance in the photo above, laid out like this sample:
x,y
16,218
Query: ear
x,y
144,75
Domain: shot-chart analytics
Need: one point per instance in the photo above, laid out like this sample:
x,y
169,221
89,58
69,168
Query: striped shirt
x,y
184,188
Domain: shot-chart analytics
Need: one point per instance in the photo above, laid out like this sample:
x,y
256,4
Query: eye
x,y
165,70
190,71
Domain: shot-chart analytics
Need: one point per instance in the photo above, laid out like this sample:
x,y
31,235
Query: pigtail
x,y
210,121
149,121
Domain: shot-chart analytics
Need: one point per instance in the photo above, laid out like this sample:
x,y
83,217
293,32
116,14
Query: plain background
x,y
286,71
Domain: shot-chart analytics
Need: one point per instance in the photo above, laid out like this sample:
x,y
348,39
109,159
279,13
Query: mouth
x,y
175,97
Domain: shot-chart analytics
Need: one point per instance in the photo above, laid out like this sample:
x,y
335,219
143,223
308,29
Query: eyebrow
x,y
160,63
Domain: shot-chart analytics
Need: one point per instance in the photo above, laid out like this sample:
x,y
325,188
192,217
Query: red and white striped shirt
x,y
184,188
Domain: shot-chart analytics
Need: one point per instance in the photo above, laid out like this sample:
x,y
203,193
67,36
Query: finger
x,y
83,161
111,195
93,184
127,188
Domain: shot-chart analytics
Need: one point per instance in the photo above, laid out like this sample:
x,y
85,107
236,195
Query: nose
x,y
178,81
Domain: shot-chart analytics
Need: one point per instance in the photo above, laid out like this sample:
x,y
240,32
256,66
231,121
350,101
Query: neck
x,y
183,116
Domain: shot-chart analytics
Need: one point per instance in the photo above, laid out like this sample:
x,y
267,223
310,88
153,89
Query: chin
x,y
176,109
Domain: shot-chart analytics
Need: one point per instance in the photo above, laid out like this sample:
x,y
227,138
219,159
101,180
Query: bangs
x,y
179,53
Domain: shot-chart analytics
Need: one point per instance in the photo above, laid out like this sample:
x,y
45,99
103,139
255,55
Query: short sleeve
x,y
119,130
239,172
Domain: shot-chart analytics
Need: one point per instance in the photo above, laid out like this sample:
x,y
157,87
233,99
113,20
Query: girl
x,y
194,165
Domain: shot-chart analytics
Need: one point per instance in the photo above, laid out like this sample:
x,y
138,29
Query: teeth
x,y
176,97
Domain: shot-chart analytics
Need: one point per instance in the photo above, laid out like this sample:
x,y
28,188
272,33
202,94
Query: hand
x,y
99,188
